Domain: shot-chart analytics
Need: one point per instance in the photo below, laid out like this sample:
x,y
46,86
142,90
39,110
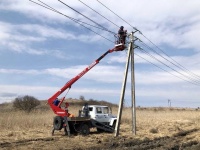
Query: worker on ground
x,y
86,110
66,107
122,35
67,111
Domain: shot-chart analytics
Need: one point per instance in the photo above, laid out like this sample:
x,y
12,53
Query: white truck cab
x,y
101,114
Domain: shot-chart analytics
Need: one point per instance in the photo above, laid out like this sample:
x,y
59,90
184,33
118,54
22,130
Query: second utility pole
x,y
133,86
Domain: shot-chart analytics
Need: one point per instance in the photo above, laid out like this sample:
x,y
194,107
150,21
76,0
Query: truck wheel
x,y
58,123
85,130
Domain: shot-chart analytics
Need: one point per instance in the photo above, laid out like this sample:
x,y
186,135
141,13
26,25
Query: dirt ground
x,y
181,140
159,130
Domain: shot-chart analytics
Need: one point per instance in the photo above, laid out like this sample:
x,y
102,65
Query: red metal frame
x,y
57,109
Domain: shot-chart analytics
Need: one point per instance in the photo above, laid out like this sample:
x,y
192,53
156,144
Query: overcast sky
x,y
41,50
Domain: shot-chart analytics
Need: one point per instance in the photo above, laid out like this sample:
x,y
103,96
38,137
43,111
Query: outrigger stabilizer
x,y
57,109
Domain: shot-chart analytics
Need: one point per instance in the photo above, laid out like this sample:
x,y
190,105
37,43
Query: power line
x,y
75,20
143,35
148,39
169,60
144,51
165,70
169,66
99,13
169,56
85,16
54,10
117,15
101,16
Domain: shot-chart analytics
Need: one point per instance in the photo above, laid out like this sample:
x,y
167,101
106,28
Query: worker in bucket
x,y
122,35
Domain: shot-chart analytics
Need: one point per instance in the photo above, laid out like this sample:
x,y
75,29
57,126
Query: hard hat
x,y
121,27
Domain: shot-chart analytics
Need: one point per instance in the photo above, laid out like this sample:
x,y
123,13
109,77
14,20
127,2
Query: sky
x,y
41,50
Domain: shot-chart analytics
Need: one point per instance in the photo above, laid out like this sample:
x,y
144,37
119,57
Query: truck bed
x,y
78,118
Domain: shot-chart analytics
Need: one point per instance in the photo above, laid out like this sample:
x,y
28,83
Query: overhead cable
x,y
99,14
166,70
147,39
75,20
190,79
170,61
169,56
117,15
85,16
54,10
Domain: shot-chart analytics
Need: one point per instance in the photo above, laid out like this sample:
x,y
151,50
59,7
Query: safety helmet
x,y
121,27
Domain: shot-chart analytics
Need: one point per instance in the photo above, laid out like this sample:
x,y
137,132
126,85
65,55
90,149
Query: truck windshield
x,y
106,110
103,110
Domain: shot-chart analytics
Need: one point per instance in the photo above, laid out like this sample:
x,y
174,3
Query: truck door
x,y
100,115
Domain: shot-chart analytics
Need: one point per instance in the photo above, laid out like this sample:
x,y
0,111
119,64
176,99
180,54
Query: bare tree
x,y
26,103
82,98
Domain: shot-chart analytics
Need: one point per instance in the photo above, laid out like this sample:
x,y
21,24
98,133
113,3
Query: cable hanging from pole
x,y
103,28
99,13
73,19
190,80
166,70
169,61
85,16
170,67
169,56
117,15
56,11
150,41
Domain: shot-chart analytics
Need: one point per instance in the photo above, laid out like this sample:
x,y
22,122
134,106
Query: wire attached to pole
x,y
73,19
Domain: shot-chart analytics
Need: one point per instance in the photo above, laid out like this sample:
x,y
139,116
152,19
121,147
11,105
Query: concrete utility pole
x,y
133,85
123,92
169,103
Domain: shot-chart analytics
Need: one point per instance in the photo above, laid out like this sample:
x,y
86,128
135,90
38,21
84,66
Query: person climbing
x,y
122,35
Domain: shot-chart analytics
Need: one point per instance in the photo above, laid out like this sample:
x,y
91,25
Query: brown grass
x,y
151,124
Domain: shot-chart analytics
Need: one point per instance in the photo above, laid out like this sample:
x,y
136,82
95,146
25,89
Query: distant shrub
x,y
155,109
153,130
82,98
26,103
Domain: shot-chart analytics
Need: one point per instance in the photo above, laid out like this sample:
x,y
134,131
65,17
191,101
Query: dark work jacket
x,y
121,32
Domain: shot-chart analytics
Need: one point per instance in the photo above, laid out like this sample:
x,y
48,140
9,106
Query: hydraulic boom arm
x,y
57,109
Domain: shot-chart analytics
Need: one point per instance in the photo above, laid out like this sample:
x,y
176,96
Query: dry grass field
x,y
157,128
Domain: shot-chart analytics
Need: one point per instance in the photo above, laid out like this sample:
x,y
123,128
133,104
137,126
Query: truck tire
x,y
84,129
57,122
